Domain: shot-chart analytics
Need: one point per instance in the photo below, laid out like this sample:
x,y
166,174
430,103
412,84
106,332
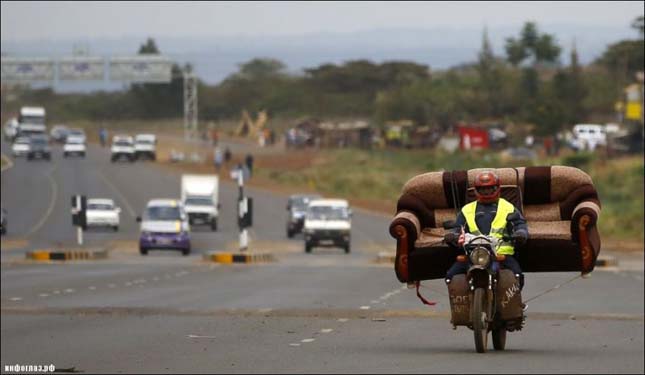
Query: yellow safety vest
x,y
504,208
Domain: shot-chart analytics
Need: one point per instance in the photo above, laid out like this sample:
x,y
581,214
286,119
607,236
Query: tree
x,y
149,48
489,78
542,47
515,51
261,68
639,24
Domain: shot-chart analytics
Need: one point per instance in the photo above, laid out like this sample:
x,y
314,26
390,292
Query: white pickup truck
x,y
122,147
200,196
145,145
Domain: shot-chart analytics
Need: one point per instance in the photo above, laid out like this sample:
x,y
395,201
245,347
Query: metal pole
x,y
79,235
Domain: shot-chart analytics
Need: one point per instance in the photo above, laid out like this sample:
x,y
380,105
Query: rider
x,y
491,215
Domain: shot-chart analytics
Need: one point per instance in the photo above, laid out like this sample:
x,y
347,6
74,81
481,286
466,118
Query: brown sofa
x,y
560,204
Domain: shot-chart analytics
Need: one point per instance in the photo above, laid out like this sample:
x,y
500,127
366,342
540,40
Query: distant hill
x,y
214,58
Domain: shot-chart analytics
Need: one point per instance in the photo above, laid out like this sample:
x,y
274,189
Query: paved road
x,y
322,312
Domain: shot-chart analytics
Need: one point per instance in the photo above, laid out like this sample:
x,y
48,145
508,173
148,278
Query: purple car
x,y
164,226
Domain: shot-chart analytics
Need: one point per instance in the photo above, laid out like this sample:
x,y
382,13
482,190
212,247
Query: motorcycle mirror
x,y
449,224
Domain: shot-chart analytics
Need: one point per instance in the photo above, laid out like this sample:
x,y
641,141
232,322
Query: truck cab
x,y
31,121
122,147
200,197
328,223
145,145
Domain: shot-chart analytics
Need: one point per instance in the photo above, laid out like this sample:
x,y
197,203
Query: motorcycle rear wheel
x,y
499,338
480,320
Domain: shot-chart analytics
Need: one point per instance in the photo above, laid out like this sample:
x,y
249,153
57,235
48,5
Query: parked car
x,y
589,136
39,148
21,146
122,147
59,133
328,223
164,225
297,208
74,145
102,212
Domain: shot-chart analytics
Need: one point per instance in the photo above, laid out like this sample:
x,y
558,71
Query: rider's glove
x,y
451,237
520,237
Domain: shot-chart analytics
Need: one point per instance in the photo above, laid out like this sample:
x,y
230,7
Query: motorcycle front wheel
x,y
480,320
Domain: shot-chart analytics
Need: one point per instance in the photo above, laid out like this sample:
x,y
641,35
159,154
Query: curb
x,y
47,255
229,257
602,261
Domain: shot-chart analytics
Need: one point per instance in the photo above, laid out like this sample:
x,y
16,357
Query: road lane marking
x,y
343,320
128,283
365,307
125,202
200,337
326,330
375,301
43,295
56,292
15,299
307,340
264,311
52,202
294,344
91,287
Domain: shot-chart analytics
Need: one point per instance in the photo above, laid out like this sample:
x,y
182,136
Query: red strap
x,y
425,301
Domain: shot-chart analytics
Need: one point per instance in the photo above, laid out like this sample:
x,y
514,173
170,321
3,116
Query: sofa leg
x,y
402,251
585,248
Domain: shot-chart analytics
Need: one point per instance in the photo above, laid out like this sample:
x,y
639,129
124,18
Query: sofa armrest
x,y
585,233
405,228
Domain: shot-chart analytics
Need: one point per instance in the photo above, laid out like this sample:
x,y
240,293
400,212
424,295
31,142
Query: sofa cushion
x,y
554,230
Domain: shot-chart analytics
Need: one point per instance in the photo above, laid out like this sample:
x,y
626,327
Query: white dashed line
x,y
56,292
307,340
264,311
91,287
43,295
69,290
294,344
375,301
365,307
15,299
343,320
326,330
111,285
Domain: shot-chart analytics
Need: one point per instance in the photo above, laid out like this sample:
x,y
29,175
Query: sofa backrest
x,y
548,193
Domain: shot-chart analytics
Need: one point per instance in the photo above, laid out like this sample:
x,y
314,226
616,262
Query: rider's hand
x,y
451,237
520,237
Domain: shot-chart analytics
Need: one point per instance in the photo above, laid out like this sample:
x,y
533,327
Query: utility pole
x,y
190,104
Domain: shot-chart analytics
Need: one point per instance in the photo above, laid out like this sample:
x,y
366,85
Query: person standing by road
x,y
103,136
218,159
249,163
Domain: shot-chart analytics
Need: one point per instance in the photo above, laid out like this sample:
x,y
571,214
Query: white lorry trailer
x,y
200,196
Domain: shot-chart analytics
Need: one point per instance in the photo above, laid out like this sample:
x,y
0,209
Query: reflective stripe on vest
x,y
504,208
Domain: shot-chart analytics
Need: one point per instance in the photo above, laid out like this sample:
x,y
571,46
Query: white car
x,y
328,223
21,146
145,145
74,145
122,147
11,128
78,133
102,213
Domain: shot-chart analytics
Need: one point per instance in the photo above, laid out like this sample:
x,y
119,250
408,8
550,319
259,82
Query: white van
x,y
328,223
122,147
200,196
164,225
589,136
145,145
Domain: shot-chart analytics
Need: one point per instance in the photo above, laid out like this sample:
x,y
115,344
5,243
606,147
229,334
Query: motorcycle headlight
x,y
480,257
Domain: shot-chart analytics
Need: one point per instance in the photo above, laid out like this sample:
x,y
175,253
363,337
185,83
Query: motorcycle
x,y
487,298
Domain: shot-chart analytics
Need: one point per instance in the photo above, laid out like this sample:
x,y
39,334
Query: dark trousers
x,y
509,263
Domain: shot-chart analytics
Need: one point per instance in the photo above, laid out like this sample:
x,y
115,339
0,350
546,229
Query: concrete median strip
x,y
602,261
230,257
63,255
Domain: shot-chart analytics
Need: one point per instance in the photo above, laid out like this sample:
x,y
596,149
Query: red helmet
x,y
487,188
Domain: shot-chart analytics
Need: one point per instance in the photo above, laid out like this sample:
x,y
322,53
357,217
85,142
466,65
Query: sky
x,y
68,20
